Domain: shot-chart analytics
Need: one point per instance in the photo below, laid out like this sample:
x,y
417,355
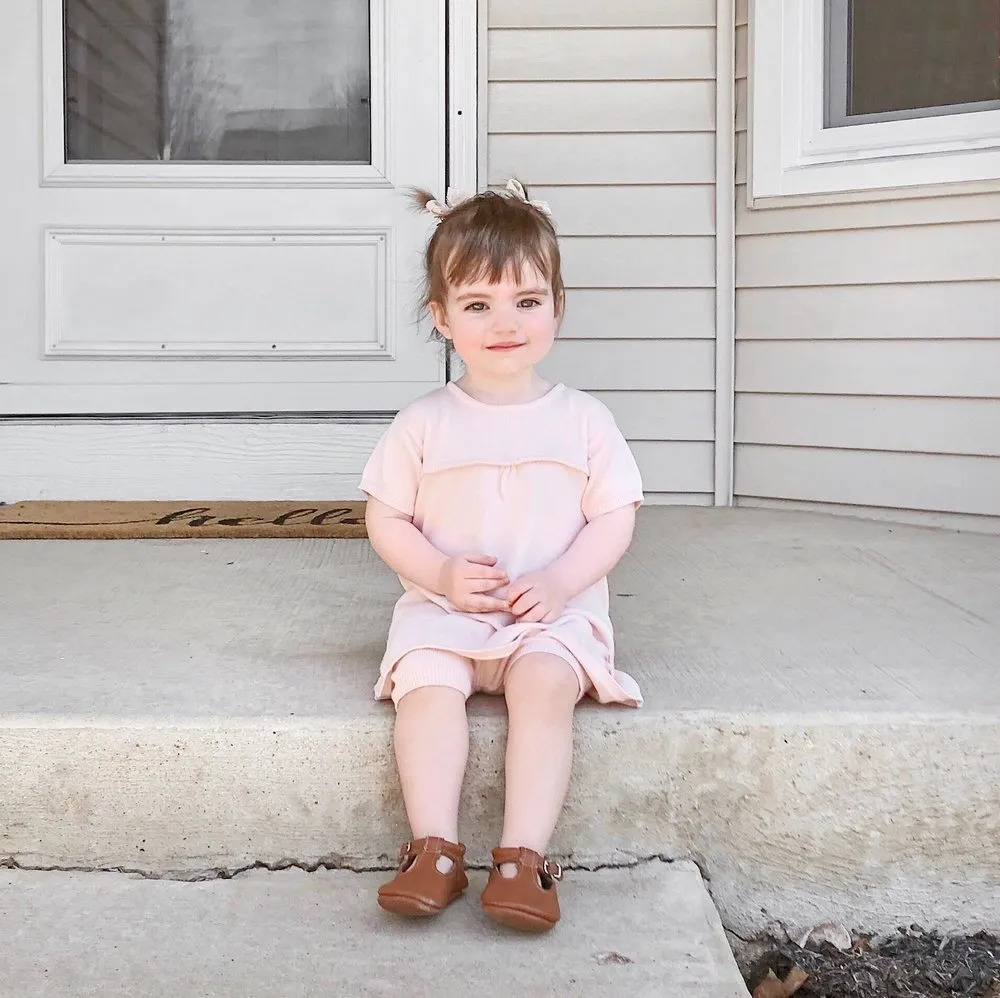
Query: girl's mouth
x,y
505,346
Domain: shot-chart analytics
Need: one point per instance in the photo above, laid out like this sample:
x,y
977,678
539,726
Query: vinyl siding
x,y
607,111
868,351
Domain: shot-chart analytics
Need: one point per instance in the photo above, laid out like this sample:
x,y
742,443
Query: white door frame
x,y
239,457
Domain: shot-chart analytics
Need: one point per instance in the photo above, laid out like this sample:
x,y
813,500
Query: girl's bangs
x,y
470,264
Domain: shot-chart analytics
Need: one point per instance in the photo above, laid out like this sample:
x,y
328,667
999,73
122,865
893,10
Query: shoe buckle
x,y
553,870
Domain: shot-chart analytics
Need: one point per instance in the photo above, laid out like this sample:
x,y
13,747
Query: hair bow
x,y
455,197
514,189
452,200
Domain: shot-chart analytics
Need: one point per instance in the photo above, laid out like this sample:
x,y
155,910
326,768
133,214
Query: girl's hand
x,y
466,579
537,597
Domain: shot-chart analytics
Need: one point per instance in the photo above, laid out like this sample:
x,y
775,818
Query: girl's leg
x,y
432,748
541,692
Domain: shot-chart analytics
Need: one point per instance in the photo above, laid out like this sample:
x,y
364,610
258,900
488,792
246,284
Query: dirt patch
x,y
909,964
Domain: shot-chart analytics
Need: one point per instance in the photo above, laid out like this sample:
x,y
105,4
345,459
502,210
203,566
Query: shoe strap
x,y
434,845
527,858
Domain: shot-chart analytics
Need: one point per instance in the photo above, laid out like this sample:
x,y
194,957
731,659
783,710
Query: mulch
x,y
912,963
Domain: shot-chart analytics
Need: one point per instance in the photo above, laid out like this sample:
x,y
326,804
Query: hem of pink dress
x,y
609,686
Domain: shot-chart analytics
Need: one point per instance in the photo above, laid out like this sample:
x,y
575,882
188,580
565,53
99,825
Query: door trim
x,y
309,458
466,58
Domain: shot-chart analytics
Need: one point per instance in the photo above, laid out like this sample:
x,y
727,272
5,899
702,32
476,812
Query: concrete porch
x,y
821,731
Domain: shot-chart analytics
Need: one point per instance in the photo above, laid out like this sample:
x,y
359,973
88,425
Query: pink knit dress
x,y
518,482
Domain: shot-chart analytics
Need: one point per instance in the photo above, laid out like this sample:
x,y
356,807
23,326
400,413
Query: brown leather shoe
x,y
527,901
419,888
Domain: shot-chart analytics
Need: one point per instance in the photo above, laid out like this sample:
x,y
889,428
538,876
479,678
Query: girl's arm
x,y
543,595
403,547
465,580
596,550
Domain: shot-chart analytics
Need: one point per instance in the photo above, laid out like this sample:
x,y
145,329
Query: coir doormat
x,y
127,520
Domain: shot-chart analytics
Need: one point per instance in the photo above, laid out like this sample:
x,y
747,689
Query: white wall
x,y
607,111
868,351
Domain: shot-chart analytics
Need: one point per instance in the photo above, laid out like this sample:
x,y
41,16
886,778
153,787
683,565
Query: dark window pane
x,y
114,59
910,54
218,80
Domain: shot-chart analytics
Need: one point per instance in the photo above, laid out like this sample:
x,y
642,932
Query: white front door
x,y
203,208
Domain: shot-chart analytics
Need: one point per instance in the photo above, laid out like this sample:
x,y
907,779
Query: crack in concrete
x,y
384,865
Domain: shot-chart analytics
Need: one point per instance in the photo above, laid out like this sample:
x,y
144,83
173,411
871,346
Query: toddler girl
x,y
502,502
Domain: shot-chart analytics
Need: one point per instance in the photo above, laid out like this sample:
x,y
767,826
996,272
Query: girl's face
x,y
501,331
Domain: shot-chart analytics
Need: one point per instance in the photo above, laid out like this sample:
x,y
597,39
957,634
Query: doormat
x,y
130,520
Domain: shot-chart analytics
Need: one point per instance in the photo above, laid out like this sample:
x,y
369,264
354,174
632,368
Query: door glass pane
x,y
218,80
910,54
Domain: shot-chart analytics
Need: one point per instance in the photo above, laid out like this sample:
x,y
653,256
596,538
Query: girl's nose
x,y
505,319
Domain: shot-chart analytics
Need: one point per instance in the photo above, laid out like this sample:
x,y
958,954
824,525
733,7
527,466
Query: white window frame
x,y
57,172
792,154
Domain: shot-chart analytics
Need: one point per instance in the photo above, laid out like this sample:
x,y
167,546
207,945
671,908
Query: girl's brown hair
x,y
486,237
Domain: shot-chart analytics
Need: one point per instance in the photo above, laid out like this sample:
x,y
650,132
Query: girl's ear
x,y
440,317
560,309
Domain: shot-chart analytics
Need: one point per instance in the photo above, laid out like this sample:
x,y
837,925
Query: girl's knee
x,y
431,696
541,679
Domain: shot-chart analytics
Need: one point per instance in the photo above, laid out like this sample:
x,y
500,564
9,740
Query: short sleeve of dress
x,y
392,474
614,480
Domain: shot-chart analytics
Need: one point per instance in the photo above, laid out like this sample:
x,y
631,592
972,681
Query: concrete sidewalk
x,y
821,730
649,931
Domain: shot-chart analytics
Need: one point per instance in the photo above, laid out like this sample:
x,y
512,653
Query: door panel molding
x,y
100,282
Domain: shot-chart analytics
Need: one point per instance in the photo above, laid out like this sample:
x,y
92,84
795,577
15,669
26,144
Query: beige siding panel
x,y
741,164
955,368
868,354
943,426
600,13
742,106
662,415
633,365
867,214
679,499
639,313
742,51
616,130
675,466
676,210
565,54
967,252
646,106
603,159
638,261
871,311
936,482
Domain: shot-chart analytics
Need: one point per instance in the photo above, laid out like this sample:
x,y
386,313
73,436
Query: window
x,y
856,95
226,81
892,59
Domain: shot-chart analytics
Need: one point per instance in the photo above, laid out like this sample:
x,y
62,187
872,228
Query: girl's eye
x,y
530,303
475,306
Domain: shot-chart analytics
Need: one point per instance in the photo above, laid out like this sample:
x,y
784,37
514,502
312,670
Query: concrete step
x,y
821,730
646,931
